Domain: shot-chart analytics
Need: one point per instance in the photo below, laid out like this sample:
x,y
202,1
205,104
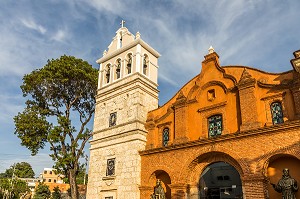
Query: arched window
x,y
118,69
129,63
215,125
145,64
165,136
277,114
107,73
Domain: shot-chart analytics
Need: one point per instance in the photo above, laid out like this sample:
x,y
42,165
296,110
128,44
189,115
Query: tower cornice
x,y
120,50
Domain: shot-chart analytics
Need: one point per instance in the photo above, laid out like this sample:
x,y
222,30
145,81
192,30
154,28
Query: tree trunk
x,y
73,184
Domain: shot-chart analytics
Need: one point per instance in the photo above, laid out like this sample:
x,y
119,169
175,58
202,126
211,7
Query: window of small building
x,y
276,112
215,125
49,180
110,197
166,136
50,172
45,172
54,181
110,169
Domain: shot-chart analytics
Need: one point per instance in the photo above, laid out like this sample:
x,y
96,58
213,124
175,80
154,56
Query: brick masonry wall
x,y
248,152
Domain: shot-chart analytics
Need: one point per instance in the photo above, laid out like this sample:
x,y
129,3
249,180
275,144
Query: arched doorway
x,y
220,180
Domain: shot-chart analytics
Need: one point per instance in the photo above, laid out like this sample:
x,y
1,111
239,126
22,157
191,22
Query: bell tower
x,y
127,91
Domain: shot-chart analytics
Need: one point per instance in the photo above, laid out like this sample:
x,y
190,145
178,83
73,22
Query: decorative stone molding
x,y
180,118
246,80
215,109
268,101
248,106
296,61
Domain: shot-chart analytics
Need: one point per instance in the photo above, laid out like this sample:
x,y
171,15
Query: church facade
x,y
227,133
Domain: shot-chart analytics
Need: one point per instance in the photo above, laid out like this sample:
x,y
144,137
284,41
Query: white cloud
x,y
60,35
33,25
38,162
115,7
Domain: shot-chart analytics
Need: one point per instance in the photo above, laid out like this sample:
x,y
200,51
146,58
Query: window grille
x,y
110,169
215,125
166,136
277,114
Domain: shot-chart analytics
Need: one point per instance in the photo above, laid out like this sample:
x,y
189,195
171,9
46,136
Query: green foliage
x,y
20,170
56,193
13,188
42,192
63,89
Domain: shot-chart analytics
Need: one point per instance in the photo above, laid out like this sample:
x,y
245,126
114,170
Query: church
x,y
227,133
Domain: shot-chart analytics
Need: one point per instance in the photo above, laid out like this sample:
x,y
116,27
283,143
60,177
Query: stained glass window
x,y
166,136
215,125
277,114
110,170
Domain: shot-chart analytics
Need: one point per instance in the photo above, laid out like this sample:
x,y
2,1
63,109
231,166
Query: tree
x,y
21,170
81,178
64,88
56,193
42,192
13,188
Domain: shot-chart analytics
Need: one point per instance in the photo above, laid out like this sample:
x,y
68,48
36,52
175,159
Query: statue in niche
x,y
159,192
286,185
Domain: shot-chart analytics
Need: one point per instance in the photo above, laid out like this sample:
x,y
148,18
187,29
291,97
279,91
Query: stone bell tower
x,y
127,90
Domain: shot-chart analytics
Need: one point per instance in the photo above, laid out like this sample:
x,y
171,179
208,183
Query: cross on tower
x,y
122,23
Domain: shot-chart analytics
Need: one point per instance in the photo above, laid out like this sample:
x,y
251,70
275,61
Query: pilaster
x,y
180,109
254,187
146,191
178,191
248,101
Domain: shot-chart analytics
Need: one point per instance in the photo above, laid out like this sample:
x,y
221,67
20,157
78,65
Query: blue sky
x,y
257,33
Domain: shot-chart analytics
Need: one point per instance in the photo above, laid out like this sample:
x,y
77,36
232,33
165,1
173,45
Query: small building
x,y
51,178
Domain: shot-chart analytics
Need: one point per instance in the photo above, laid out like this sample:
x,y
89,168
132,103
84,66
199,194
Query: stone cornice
x,y
212,107
138,76
164,124
286,85
120,50
227,137
255,69
116,137
274,96
119,125
122,88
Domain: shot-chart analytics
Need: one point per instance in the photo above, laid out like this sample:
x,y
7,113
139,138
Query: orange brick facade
x,y
250,142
